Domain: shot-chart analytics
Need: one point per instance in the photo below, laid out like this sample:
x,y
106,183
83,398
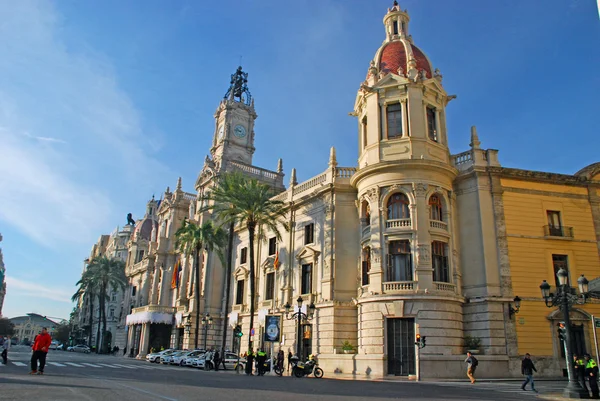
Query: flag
x,y
176,270
276,261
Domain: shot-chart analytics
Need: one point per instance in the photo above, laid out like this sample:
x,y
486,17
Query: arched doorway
x,y
581,342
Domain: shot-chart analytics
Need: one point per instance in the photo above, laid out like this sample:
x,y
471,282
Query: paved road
x,y
78,377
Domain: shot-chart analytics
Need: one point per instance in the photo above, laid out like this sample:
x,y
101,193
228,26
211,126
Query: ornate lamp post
x,y
206,322
299,316
565,297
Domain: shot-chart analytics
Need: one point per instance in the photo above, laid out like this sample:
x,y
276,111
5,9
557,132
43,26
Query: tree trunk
x,y
227,288
99,317
91,320
251,228
197,291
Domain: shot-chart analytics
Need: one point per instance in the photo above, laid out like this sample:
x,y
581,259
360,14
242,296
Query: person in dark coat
x,y
527,369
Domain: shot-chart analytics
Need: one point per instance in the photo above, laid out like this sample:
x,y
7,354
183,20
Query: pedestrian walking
x,y
216,359
261,358
222,361
527,369
40,350
472,363
5,352
280,357
591,371
289,360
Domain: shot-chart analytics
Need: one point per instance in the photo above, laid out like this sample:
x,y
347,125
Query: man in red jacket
x,y
40,349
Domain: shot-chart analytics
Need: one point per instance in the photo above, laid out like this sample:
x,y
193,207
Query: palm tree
x,y
248,202
109,274
190,239
87,288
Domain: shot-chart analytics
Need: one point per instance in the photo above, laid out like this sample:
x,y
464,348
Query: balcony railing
x,y
553,231
441,225
398,223
399,286
446,287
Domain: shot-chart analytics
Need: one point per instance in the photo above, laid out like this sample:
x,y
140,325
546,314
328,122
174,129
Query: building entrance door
x,y
401,347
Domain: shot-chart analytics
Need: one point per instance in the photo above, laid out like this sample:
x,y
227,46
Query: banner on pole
x,y
272,328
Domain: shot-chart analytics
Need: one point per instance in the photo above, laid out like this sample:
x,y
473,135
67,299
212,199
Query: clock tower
x,y
234,123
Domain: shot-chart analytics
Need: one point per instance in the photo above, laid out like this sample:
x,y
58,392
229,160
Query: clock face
x,y
239,131
221,131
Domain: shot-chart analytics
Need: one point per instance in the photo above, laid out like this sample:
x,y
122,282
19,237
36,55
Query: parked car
x,y
180,358
79,348
155,356
188,360
54,345
167,358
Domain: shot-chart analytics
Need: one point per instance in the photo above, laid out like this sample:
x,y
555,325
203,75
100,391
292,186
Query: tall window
x,y
554,223
244,255
435,208
140,256
394,120
399,261
560,262
307,278
270,287
364,132
272,246
133,290
366,265
439,252
309,233
239,292
431,124
397,207
395,27
111,313
368,215
114,297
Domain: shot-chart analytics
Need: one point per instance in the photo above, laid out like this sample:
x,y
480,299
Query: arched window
x,y
397,207
435,208
366,265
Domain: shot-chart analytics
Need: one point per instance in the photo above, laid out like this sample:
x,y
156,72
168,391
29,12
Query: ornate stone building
x,y
412,240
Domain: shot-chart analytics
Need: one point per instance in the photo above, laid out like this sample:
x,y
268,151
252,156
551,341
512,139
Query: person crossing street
x,y
40,350
527,369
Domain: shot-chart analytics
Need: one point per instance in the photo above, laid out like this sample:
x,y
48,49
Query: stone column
x,y
423,270
144,342
130,338
153,296
404,118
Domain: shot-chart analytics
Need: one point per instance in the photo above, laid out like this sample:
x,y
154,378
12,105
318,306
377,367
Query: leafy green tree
x,y
7,328
61,333
239,200
88,289
190,240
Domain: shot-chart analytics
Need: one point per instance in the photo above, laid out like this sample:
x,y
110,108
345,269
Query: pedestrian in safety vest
x,y
261,357
579,365
591,371
249,361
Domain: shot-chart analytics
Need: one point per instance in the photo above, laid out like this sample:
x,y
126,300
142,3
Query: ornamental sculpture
x,y
238,87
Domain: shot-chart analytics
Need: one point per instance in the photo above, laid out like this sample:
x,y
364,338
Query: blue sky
x,y
102,106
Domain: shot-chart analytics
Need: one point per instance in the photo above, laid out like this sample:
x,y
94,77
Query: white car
x,y
155,356
79,348
180,359
54,345
189,360
167,357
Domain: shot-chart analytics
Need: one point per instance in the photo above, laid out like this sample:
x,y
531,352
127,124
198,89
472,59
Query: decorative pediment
x,y
390,80
269,263
308,253
576,315
435,85
241,271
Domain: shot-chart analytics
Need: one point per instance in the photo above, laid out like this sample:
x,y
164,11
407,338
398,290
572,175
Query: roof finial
x,y
332,159
474,138
178,184
293,178
280,166
238,88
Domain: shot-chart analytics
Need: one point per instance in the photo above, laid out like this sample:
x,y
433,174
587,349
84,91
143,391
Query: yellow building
x,y
552,222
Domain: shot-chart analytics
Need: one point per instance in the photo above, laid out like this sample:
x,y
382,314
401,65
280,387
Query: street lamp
x,y
512,310
299,316
206,321
565,297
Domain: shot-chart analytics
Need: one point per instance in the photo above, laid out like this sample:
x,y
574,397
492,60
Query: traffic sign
x,y
252,332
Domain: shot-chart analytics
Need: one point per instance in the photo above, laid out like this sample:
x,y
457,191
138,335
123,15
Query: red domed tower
x,y
408,242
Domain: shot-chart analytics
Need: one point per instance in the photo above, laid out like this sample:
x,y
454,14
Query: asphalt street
x,y
70,376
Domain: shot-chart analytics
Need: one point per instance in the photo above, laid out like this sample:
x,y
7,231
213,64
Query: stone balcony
x,y
399,224
155,308
438,225
399,287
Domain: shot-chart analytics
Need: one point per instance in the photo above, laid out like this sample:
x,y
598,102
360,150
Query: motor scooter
x,y
301,369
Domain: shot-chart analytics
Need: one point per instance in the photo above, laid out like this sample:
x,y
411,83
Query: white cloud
x,y
33,290
72,142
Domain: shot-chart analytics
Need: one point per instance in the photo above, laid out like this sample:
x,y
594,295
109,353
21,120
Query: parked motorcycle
x,y
301,369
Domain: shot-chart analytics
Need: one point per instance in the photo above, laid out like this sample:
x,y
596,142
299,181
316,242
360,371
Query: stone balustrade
x,y
398,286
154,308
399,223
441,225
445,287
345,172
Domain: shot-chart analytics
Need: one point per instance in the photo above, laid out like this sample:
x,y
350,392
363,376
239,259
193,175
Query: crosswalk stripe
x,y
74,364
19,364
125,366
91,364
56,364
110,366
144,367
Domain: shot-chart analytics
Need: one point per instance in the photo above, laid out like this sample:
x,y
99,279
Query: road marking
x,y
56,364
74,364
91,364
110,366
125,366
19,364
145,367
